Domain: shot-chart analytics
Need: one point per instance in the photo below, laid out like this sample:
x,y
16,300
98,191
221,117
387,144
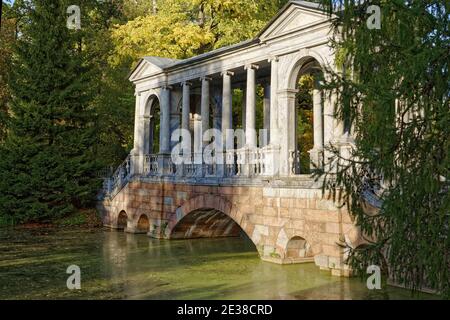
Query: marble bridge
x,y
262,189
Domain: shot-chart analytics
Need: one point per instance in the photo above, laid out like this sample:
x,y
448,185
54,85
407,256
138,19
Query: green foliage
x,y
113,96
7,36
305,138
396,99
182,29
47,165
73,108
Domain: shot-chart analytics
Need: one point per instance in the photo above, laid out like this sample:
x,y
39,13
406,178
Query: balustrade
x,y
151,166
242,163
118,179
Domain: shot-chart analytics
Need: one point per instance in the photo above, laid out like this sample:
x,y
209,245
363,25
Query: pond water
x,y
115,265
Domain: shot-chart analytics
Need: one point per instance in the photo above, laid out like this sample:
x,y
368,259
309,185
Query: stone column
x,y
137,152
227,107
137,126
148,134
318,119
165,121
250,127
186,106
328,118
185,121
205,104
266,106
244,107
274,139
331,127
316,153
286,118
198,140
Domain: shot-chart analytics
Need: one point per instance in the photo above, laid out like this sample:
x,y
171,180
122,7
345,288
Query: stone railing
x,y
251,162
113,184
373,187
234,164
230,167
294,162
243,164
151,166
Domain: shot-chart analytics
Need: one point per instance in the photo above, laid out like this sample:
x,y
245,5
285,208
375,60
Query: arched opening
x,y
143,224
152,128
298,249
308,118
122,220
206,223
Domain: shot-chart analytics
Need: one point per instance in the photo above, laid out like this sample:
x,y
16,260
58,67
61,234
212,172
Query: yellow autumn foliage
x,y
184,28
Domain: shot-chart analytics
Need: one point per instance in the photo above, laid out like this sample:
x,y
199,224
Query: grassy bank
x,y
89,218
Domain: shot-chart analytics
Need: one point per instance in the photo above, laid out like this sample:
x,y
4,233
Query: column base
x,y
333,264
165,165
285,261
137,164
134,231
271,160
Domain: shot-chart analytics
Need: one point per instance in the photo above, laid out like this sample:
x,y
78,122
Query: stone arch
x,y
122,220
298,62
151,115
298,249
143,224
307,143
150,97
216,206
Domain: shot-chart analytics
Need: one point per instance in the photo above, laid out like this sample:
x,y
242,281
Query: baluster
x,y
291,162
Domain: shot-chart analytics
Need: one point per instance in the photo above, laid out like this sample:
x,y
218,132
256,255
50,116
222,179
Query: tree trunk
x,y
1,12
154,7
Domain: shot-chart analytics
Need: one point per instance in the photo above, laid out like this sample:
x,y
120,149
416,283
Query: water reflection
x,y
116,265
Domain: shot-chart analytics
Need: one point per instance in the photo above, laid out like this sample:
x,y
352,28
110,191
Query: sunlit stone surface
x,y
260,190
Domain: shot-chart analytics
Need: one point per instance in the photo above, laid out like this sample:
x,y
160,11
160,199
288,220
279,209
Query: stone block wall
x,y
287,225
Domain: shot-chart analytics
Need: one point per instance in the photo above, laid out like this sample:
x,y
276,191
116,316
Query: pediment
x,y
150,66
295,16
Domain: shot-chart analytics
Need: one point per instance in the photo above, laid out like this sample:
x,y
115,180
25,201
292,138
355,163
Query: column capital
x,y
227,73
186,83
273,59
251,66
146,118
205,78
167,87
288,93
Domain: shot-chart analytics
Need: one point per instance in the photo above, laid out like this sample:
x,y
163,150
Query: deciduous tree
x,y
181,29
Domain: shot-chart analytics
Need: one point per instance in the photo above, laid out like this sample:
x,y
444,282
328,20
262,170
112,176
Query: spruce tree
x,y
47,166
393,89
